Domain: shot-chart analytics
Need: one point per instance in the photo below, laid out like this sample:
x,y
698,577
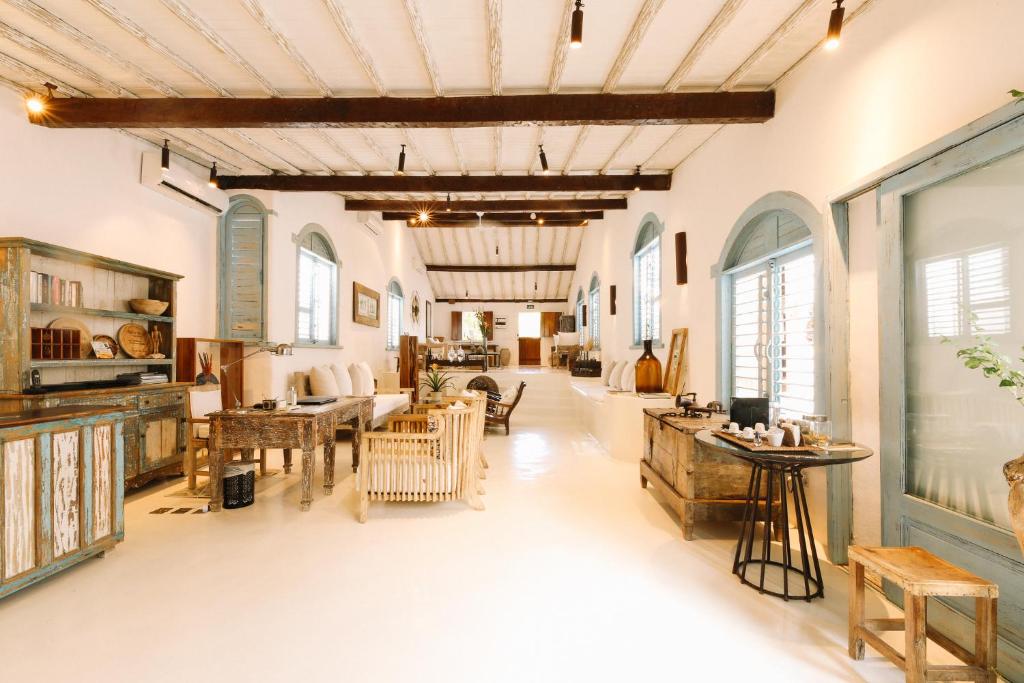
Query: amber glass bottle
x,y
648,371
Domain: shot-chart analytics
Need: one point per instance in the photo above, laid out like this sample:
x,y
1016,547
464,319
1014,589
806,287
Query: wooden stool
x,y
920,574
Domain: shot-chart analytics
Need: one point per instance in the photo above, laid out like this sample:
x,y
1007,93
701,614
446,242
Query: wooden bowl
x,y
148,306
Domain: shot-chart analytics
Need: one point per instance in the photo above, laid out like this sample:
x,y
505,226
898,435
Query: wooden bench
x,y
922,575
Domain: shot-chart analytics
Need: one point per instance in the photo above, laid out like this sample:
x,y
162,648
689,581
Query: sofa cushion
x,y
628,380
358,388
343,379
615,378
389,403
322,382
606,371
368,384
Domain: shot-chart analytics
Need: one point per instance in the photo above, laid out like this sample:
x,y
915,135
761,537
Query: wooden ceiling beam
x,y
506,205
502,301
410,112
486,223
455,216
448,183
535,268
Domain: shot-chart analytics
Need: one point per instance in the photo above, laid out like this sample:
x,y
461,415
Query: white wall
x,y
907,73
506,338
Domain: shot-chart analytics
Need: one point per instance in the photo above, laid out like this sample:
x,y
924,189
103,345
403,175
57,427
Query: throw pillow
x,y
322,382
357,381
343,379
368,384
615,378
606,371
628,380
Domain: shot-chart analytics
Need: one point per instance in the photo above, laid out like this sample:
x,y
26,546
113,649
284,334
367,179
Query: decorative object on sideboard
x,y
648,371
109,341
414,308
84,335
675,370
612,290
156,342
148,306
54,343
267,347
206,364
681,273
102,350
692,409
365,305
134,340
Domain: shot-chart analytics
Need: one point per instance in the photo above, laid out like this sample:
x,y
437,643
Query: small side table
x,y
767,487
922,575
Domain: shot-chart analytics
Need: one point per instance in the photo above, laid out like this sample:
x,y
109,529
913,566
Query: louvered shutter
x,y
243,260
792,345
595,317
647,293
750,333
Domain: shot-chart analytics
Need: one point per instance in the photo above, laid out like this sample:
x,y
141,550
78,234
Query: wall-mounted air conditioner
x,y
180,184
371,222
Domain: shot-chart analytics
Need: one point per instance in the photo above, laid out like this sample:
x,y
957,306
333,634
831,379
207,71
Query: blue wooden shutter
x,y
243,261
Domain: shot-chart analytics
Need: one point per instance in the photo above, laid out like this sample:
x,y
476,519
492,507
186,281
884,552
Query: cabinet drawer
x,y
154,400
160,433
126,401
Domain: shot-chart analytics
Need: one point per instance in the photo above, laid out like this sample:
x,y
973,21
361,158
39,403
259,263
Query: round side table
x,y
768,474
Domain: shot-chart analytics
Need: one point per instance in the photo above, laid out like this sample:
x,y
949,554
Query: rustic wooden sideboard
x,y
699,484
61,499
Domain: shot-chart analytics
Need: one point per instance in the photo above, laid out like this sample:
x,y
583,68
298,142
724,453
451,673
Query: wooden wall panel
x,y
19,521
102,482
66,463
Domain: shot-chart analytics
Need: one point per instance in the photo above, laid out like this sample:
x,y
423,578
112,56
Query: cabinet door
x,y
160,439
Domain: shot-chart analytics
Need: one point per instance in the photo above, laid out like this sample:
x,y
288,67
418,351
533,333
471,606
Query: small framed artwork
x,y
102,349
428,311
675,370
365,305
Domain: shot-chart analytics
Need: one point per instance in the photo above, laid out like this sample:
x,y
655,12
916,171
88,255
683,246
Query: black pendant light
x,y
543,160
401,162
636,179
165,157
448,202
576,36
213,176
835,26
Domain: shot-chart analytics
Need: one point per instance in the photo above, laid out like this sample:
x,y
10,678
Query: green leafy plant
x,y
436,381
481,321
984,355
1017,94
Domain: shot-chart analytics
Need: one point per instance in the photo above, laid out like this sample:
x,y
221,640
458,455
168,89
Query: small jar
x,y
819,430
293,396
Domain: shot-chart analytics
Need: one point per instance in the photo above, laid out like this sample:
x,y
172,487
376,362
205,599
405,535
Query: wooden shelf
x,y
99,362
100,313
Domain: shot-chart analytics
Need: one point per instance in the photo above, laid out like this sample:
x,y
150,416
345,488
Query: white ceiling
x,y
256,48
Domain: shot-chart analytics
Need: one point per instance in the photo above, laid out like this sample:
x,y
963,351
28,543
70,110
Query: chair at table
x,y
498,413
203,400
478,402
420,458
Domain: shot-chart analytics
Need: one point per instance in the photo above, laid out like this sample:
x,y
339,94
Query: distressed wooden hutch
x,y
154,424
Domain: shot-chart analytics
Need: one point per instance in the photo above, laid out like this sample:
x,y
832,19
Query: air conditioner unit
x,y
370,221
178,183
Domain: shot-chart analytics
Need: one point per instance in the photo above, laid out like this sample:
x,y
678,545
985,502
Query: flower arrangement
x,y
436,381
481,321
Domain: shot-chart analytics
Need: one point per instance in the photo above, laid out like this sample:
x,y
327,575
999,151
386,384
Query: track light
x,y
835,26
213,176
36,104
165,157
543,160
540,221
424,216
401,162
636,179
448,202
576,39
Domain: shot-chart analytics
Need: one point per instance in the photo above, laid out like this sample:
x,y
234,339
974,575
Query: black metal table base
x,y
761,498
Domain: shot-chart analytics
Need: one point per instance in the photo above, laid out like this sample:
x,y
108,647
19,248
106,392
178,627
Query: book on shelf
x,y
50,289
144,377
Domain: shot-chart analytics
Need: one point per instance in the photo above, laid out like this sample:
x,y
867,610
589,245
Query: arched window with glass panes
x,y
316,317
579,315
770,271
594,308
396,303
647,281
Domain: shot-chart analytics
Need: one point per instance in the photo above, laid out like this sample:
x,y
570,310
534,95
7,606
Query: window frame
x,y
579,315
225,278
594,309
334,338
394,292
647,240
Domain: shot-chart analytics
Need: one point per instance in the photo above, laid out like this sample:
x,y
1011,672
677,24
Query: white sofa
x,y
615,419
390,399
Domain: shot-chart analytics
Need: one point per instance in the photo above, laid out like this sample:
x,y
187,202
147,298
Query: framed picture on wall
x,y
365,305
428,330
676,367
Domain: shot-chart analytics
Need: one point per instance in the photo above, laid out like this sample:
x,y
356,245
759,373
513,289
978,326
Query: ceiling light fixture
x,y
401,162
165,157
835,26
540,221
636,179
576,36
424,216
36,104
533,216
543,160
448,202
213,176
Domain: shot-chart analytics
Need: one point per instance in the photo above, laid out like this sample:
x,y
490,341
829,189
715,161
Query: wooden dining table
x,y
301,427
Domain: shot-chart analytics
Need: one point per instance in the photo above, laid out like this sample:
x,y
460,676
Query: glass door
x,y
951,276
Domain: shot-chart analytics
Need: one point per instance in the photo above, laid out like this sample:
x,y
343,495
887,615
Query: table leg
x,y
766,540
798,480
804,559
357,437
329,462
753,523
749,512
216,478
985,644
914,607
308,462
787,552
287,461
856,609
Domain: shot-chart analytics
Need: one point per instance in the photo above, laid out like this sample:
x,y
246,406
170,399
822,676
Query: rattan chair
x,y
499,413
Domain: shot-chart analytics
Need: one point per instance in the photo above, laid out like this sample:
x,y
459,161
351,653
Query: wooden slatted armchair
x,y
478,402
498,413
420,458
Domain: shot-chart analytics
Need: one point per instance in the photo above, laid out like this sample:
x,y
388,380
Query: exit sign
x,y
529,307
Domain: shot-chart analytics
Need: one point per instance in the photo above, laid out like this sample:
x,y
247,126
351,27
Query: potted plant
x,y
435,382
984,356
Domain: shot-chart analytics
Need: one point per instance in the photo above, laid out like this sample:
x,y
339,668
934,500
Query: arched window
x,y
647,280
770,282
316,312
579,315
595,310
243,259
396,304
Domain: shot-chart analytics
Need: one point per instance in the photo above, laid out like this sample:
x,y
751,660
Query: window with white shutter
x,y
396,302
317,290
647,292
579,316
243,263
594,304
968,293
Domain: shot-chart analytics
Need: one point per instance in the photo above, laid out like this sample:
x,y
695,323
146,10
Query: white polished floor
x,y
572,573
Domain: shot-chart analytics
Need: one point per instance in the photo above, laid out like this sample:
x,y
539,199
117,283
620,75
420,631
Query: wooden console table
x,y
305,428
